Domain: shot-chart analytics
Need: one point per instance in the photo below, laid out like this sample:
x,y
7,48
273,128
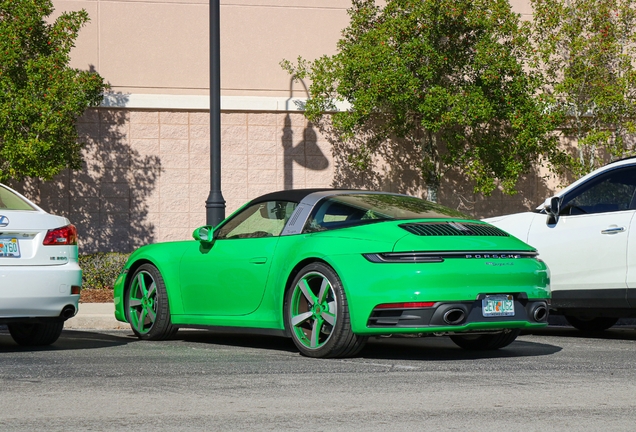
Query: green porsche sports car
x,y
330,268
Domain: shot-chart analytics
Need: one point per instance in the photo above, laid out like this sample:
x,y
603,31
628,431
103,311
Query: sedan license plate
x,y
9,247
500,305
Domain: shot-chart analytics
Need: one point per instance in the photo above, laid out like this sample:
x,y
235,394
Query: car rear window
x,y
356,209
10,201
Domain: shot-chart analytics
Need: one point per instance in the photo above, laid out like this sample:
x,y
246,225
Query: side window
x,y
11,201
612,191
266,219
332,214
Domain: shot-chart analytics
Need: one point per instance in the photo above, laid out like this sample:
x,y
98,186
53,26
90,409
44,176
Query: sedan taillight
x,y
66,235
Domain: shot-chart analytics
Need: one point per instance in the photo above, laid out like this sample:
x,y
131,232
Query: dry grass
x,y
96,296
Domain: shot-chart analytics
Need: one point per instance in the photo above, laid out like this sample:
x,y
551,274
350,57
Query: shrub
x,y
100,270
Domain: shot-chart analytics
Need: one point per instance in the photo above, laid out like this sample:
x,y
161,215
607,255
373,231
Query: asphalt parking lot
x,y
555,379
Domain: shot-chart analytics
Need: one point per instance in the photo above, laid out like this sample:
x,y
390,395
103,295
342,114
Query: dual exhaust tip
x,y
540,313
456,316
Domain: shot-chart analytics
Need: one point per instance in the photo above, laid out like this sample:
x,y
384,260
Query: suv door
x,y
586,249
631,264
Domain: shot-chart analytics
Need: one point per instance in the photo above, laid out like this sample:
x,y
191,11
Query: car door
x,y
586,249
228,277
631,264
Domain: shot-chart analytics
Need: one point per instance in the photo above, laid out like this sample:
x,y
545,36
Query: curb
x,y
95,316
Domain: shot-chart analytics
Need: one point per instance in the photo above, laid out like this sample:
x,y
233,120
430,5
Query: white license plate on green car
x,y
498,305
9,247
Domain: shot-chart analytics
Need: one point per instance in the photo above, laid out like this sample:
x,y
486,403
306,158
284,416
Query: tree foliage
x,y
41,97
585,51
446,75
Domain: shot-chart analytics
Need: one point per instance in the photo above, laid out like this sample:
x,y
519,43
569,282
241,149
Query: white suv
x,y
586,234
39,273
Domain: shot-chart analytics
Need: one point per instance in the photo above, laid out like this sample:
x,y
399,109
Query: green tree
x,y
447,75
585,50
41,97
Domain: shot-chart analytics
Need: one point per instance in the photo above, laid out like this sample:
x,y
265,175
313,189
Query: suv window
x,y
611,191
10,201
265,219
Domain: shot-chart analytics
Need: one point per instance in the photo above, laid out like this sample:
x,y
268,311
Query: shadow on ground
x,y
615,333
443,349
212,337
558,326
69,340
395,348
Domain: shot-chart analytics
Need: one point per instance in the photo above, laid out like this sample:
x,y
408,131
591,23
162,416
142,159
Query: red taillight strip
x,y
66,235
409,305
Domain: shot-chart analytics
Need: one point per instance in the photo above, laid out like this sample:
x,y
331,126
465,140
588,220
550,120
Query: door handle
x,y
614,230
259,260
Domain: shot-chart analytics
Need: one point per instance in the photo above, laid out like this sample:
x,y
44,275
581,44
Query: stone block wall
x,y
145,177
146,173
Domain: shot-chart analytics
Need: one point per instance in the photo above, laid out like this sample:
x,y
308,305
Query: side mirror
x,y
553,210
204,234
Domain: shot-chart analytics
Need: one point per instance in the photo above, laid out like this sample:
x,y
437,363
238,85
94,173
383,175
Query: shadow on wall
x,y
306,153
457,192
108,199
394,168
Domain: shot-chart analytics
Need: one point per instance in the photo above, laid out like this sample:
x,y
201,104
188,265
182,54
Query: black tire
x,y
317,314
146,303
36,334
485,342
590,325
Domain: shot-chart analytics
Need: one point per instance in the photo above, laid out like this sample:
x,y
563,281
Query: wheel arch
x,y
288,283
133,268
127,281
174,297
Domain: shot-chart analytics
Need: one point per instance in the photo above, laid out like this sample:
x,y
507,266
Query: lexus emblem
x,y
4,221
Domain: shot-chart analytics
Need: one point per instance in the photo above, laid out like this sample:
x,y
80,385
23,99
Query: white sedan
x,y
586,234
40,279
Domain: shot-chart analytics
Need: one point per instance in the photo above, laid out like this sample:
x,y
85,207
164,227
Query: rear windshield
x,y
10,201
356,209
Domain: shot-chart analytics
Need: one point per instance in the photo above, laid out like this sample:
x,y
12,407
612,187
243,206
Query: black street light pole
x,y
215,205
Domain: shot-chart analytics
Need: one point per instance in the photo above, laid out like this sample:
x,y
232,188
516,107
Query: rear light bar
x,y
438,257
66,235
409,305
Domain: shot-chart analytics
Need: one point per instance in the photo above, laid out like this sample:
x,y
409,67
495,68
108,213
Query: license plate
x,y
500,305
9,247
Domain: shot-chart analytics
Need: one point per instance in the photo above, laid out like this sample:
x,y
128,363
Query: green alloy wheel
x,y
317,314
147,305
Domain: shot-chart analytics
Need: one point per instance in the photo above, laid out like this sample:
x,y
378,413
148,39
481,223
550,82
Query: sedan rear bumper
x,y
38,291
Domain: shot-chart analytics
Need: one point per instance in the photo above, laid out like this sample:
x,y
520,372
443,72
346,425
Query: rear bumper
x,y
38,291
452,317
458,283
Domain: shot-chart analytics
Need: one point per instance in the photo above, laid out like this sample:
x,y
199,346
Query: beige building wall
x,y
162,46
146,172
146,176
